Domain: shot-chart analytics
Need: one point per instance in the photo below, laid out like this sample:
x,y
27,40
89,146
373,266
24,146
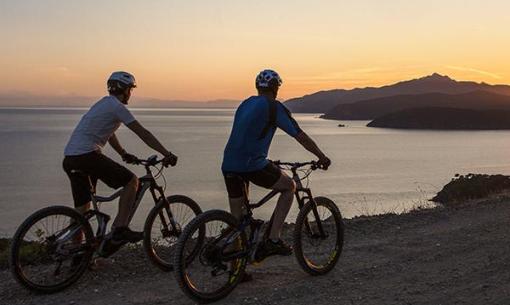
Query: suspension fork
x,y
162,197
301,204
310,198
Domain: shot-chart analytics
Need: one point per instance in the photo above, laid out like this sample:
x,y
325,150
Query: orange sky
x,y
205,50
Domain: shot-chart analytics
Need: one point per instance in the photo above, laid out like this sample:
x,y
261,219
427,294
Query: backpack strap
x,y
271,121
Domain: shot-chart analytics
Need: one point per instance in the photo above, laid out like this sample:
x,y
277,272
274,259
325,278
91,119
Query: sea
x,y
374,170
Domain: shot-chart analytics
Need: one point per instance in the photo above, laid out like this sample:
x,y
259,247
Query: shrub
x,y
471,186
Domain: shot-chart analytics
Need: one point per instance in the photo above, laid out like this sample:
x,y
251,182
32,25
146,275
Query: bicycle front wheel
x,y
51,249
219,265
318,236
163,227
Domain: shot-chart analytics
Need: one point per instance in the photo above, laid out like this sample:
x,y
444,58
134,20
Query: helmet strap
x,y
122,97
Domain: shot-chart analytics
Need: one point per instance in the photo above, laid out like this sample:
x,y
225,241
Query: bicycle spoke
x,y
206,272
44,256
166,227
318,251
220,260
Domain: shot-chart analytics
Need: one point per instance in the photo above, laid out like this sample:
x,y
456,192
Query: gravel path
x,y
426,257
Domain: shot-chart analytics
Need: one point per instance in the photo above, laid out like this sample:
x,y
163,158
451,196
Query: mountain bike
x,y
54,246
229,245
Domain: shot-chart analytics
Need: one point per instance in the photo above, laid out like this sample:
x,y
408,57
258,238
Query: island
x,y
442,118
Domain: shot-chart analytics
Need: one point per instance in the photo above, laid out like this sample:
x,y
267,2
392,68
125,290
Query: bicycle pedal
x,y
94,265
108,248
255,263
257,260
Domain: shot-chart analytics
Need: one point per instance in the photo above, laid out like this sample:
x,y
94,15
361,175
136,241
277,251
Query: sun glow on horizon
x,y
205,51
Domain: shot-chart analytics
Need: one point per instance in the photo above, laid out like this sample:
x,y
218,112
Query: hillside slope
x,y
370,109
323,101
427,257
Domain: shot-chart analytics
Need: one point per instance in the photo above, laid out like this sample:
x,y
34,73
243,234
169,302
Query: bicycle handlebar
x,y
151,161
295,165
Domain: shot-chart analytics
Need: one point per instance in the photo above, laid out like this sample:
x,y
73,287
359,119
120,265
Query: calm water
x,y
374,171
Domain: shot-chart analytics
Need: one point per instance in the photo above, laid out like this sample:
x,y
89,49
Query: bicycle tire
x,y
163,259
309,266
180,265
16,252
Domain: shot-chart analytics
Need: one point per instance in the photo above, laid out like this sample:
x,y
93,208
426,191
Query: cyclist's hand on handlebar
x,y
129,158
324,163
170,159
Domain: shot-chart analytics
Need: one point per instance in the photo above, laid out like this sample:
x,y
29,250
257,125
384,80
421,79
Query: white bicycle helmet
x,y
121,80
268,78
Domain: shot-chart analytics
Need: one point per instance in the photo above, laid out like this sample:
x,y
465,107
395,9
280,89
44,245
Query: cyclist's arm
x,y
286,122
148,138
309,145
115,144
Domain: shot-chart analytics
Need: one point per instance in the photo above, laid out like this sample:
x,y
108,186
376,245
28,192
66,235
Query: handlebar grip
x,y
314,165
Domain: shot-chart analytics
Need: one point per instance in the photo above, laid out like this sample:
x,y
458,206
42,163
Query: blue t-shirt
x,y
245,151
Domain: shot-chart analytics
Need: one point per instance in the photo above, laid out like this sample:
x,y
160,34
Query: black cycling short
x,y
84,170
237,183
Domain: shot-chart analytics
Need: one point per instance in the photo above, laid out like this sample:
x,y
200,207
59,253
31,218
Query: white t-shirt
x,y
97,126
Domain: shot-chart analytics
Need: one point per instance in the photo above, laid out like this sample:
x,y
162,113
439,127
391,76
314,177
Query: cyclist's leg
x,y
115,176
80,183
287,187
92,186
272,177
126,203
237,189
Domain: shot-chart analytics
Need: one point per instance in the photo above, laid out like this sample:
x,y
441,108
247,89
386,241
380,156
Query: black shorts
x,y
237,183
84,170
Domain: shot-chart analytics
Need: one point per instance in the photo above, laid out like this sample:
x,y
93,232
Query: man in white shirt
x,y
84,163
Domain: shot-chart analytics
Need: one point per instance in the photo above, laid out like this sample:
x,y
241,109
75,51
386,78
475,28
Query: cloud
x,y
361,74
467,69
346,75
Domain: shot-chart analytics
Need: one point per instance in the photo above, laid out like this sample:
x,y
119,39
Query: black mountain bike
x,y
214,271
54,246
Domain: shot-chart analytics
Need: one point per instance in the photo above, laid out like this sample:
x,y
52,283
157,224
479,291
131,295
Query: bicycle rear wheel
x,y
160,236
318,236
51,249
217,269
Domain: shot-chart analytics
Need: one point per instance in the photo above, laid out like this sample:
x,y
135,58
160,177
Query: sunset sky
x,y
205,50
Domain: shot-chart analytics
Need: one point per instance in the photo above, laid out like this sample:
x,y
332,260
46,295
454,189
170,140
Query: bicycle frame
x,y
299,198
248,219
147,182
299,188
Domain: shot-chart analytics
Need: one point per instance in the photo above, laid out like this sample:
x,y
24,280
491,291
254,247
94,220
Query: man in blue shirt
x,y
245,156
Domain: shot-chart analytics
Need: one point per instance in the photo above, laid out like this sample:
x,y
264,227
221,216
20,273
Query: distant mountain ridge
x,y
373,108
28,100
324,101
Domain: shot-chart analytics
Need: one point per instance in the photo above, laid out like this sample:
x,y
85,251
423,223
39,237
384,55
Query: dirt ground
x,y
435,257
